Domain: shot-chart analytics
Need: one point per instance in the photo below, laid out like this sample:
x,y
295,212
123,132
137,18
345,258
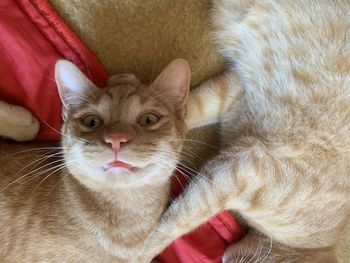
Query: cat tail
x,y
207,103
17,123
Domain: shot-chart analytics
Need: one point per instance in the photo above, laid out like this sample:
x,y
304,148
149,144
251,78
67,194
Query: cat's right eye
x,y
92,121
148,119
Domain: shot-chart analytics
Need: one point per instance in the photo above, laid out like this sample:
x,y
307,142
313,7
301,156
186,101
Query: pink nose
x,y
116,140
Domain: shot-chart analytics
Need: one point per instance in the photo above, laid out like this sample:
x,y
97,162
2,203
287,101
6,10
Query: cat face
x,y
126,134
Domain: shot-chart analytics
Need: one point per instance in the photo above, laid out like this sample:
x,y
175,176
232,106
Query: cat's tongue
x,y
118,165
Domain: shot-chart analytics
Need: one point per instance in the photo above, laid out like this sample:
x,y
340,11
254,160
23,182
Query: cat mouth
x,y
118,166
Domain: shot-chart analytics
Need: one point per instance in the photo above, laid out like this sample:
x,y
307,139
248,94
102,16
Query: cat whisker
x,y
171,153
36,163
164,165
197,173
160,162
192,141
58,168
55,169
247,252
259,257
241,253
60,181
40,160
268,251
184,152
47,176
189,151
30,150
62,133
36,156
50,154
256,251
257,254
31,172
189,170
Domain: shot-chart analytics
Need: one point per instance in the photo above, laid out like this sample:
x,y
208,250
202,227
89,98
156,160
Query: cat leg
x,y
256,247
207,103
17,123
275,188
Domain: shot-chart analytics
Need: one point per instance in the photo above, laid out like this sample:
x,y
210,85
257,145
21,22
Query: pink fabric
x,y
30,44
32,39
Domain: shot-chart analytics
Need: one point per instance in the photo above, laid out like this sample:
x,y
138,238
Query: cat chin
x,y
122,170
119,178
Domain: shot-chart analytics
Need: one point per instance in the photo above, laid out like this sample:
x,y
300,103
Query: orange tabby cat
x,y
284,108
98,199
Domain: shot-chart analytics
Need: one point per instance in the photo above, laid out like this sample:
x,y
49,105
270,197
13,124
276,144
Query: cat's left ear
x,y
173,85
73,86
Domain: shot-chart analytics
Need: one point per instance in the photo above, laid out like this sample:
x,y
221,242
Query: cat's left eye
x,y
91,121
148,119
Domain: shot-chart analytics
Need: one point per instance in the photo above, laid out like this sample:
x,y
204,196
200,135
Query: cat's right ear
x,y
73,86
173,84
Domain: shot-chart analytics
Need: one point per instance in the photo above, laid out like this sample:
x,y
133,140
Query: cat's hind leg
x,y
256,247
251,248
17,123
276,188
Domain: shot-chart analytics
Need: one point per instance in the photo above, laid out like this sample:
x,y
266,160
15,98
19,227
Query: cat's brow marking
x,y
131,94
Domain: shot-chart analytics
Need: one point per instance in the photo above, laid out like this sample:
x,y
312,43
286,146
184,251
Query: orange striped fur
x,y
284,111
58,204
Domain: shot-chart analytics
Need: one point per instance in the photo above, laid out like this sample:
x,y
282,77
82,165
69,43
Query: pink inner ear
x,y
121,79
173,84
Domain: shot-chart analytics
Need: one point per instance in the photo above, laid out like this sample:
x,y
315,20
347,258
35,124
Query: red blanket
x,y
32,39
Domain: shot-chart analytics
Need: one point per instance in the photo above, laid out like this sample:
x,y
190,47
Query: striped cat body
x,y
284,111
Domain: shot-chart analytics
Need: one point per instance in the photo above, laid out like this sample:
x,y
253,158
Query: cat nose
x,y
116,140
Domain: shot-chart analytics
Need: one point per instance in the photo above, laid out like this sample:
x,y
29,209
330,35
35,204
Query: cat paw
x,y
18,124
